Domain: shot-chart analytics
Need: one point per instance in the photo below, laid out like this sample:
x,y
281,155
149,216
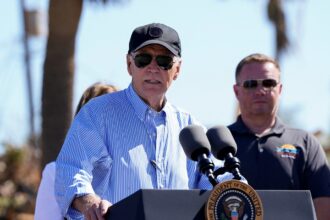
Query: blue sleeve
x,y
82,148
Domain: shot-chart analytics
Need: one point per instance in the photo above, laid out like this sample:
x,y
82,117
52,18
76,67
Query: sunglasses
x,y
165,62
265,83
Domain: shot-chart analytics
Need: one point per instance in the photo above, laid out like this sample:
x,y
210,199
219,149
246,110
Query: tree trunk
x,y
57,91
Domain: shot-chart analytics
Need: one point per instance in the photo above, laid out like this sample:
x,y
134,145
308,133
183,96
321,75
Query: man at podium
x,y
273,155
128,140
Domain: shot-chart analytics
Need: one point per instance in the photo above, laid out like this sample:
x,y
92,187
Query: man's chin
x,y
260,111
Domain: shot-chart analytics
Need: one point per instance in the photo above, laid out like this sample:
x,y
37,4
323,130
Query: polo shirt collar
x,y
278,127
240,127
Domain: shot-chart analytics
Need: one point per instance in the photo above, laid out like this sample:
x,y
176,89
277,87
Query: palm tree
x,y
277,17
57,90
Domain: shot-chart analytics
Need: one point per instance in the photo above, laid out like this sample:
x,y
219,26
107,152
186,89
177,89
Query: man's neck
x,y
259,125
156,104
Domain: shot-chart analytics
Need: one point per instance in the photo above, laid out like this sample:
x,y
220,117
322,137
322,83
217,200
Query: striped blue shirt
x,y
117,145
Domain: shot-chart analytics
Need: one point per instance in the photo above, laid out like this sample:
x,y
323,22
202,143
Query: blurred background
x,y
52,50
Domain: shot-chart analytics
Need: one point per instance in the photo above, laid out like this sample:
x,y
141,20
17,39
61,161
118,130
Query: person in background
x,y
129,140
46,205
272,154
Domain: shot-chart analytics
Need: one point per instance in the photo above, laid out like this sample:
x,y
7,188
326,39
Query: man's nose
x,y
153,66
260,90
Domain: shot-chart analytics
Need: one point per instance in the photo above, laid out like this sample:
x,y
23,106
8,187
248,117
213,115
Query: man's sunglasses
x,y
265,83
144,59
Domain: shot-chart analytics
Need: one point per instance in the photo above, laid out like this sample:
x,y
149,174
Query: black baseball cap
x,y
155,33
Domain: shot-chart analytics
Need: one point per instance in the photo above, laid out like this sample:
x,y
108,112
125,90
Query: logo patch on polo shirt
x,y
287,150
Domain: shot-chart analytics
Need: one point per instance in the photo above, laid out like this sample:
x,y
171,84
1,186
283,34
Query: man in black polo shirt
x,y
273,155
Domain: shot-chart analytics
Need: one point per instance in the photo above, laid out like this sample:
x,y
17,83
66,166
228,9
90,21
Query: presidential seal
x,y
233,200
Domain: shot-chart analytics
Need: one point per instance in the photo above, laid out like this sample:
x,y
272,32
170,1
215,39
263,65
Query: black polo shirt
x,y
285,158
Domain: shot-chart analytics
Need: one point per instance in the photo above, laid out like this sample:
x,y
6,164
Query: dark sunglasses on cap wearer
x,y
254,83
142,60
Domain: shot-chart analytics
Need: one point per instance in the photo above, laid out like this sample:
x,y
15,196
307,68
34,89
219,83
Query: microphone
x,y
224,148
197,148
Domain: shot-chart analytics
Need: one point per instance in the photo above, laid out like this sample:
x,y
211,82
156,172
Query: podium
x,y
151,204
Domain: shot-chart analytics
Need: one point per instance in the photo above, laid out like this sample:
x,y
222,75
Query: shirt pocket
x,y
104,163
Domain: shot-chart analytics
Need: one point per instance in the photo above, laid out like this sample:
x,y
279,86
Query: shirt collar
x,y
140,107
240,127
278,127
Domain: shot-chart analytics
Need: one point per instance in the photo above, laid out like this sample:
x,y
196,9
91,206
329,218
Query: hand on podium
x,y
229,176
93,207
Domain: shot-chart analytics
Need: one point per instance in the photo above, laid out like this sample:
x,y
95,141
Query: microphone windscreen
x,y
222,142
194,141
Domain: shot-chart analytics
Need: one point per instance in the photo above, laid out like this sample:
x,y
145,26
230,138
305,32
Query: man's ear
x,y
176,75
280,88
235,88
129,64
177,70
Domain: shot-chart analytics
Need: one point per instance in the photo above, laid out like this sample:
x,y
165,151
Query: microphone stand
x,y
232,165
206,166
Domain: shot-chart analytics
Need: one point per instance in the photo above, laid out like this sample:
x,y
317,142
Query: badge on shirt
x,y
287,151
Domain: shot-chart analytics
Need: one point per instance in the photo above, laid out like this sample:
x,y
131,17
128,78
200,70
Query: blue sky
x,y
215,35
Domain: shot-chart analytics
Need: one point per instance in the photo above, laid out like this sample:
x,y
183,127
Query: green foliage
x,y
13,156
